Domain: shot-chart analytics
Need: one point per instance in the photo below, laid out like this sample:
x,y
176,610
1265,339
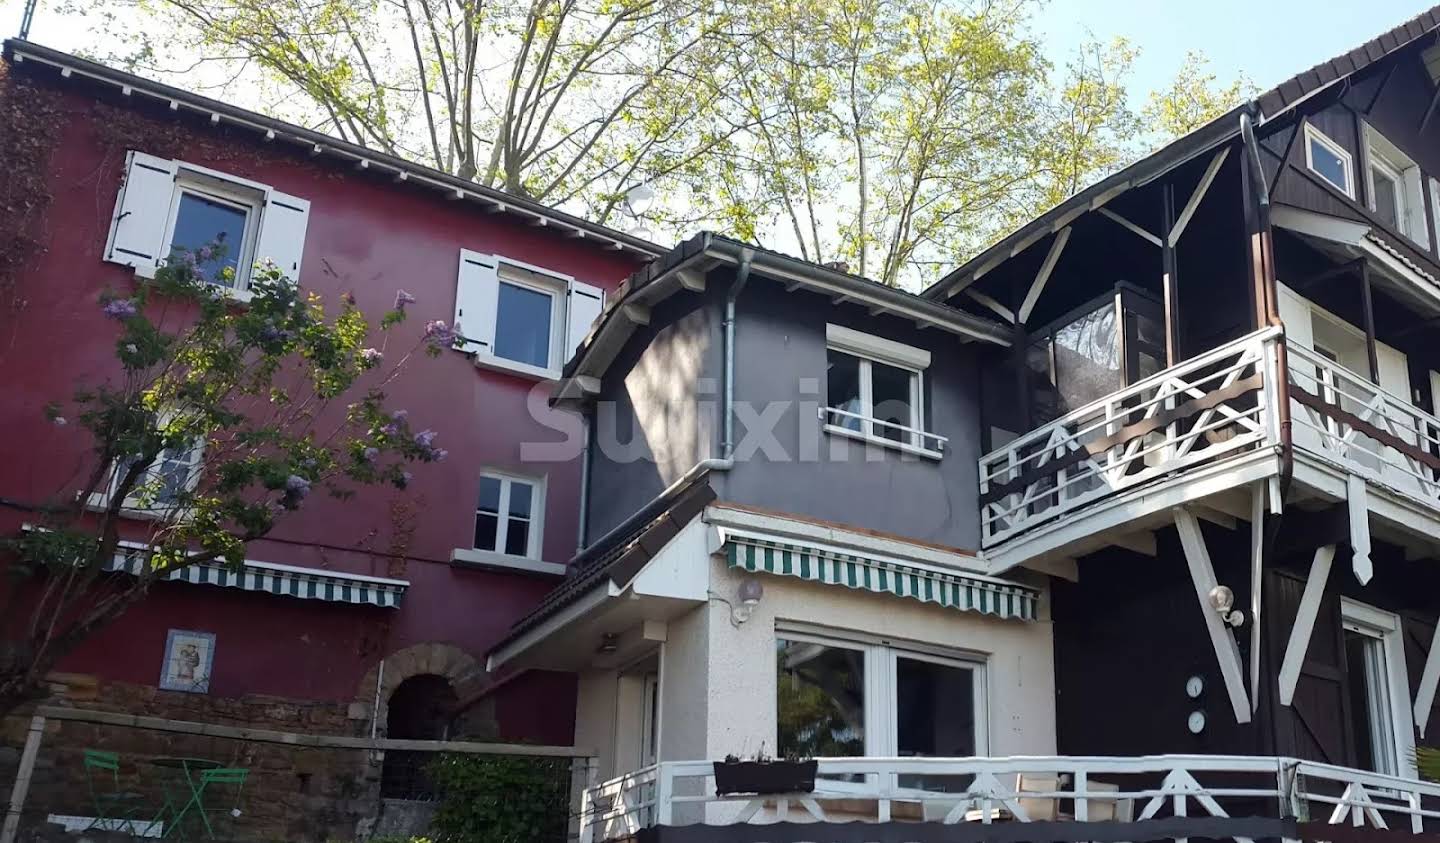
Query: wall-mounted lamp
x,y
749,595
1222,600
609,643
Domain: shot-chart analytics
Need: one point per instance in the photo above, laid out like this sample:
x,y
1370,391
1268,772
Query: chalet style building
x,y
1123,530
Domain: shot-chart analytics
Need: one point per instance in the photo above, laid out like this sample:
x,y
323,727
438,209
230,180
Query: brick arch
x,y
430,658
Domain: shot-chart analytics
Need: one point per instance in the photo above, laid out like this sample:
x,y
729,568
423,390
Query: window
x,y
1396,194
521,318
165,205
508,514
874,390
842,698
525,319
174,472
1329,160
202,217
1380,717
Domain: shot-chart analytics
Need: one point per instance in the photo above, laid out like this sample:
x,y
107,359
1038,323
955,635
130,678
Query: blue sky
x,y
1268,40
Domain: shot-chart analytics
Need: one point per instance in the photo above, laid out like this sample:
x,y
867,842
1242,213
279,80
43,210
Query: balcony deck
x,y
1154,797
1204,432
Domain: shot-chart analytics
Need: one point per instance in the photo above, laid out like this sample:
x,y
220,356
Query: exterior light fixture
x,y
609,643
749,595
1222,600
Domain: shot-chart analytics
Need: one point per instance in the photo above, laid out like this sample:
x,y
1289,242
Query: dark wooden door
x,y
1316,726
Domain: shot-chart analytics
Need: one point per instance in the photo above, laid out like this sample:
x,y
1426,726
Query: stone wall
x,y
291,794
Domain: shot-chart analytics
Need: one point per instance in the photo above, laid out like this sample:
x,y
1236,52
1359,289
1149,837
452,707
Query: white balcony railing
x,y
987,790
1209,408
1345,418
881,432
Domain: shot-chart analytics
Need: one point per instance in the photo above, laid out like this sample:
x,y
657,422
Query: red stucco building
x,y
431,580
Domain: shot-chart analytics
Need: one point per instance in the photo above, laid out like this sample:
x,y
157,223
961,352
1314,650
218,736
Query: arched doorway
x,y
419,709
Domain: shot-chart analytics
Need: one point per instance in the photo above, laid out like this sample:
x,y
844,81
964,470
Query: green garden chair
x,y
221,790
115,809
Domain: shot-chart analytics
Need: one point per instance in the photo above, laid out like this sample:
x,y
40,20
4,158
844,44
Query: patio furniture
x,y
114,808
185,797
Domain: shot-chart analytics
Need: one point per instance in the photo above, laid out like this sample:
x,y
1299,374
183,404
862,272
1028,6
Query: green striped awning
x,y
955,591
285,580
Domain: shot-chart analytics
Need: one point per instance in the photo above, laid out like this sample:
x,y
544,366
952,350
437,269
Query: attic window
x,y
1396,194
1329,160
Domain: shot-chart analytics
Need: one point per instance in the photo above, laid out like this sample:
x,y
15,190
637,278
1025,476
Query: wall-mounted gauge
x,y
1194,687
1196,722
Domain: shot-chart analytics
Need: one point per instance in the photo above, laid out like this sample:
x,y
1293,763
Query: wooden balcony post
x,y
1168,270
1368,303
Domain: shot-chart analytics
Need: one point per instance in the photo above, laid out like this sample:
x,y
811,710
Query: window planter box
x,y
764,777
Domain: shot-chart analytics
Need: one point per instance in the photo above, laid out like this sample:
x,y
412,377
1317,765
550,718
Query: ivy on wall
x,y
29,128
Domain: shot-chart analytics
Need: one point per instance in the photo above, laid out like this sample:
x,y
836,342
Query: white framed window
x,y
164,205
875,391
1329,160
174,472
848,697
518,317
1381,720
1395,185
509,513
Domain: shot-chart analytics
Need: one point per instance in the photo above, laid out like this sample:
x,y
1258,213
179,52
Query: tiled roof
x,y
1302,85
618,557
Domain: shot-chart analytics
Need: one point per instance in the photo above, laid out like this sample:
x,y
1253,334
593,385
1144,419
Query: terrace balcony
x,y
1056,798
1206,434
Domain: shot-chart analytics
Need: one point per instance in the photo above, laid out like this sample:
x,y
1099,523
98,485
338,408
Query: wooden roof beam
x,y
1000,310
1200,189
1043,276
1131,227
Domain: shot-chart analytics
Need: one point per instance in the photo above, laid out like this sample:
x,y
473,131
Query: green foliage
x,y
218,419
1194,98
898,136
1427,761
501,799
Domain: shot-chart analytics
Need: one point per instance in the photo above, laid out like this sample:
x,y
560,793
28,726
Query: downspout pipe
x,y
583,522
742,277
1268,295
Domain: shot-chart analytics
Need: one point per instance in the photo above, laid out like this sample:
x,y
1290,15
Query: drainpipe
x,y
583,522
742,277
1268,295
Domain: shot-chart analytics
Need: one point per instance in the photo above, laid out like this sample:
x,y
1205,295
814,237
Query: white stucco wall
x,y
595,719
728,672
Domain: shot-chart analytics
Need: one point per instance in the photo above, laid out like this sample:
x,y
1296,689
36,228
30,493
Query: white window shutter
x,y
142,213
586,302
477,297
1394,371
282,232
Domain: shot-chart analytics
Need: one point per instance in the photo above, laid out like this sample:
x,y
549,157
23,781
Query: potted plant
x,y
764,776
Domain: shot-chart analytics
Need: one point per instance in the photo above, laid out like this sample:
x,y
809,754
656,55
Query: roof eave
x,y
272,130
1218,131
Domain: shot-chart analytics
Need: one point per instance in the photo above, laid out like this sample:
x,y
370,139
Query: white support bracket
x,y
1199,194
1043,276
1202,573
1429,678
1131,226
1358,502
1304,624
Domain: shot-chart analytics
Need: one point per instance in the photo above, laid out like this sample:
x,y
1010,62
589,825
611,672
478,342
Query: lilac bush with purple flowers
x,y
283,400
